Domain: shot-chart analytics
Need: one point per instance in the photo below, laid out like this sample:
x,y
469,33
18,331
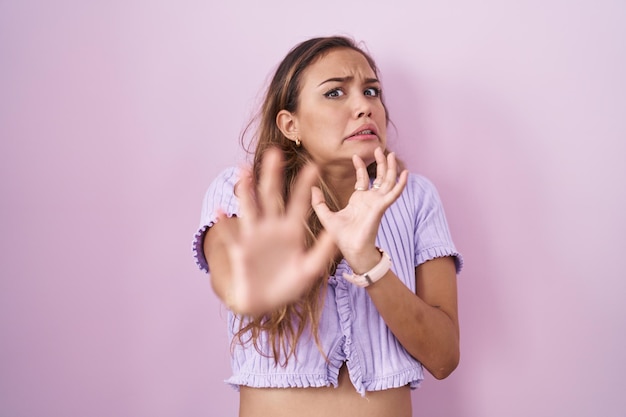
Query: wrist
x,y
364,261
373,274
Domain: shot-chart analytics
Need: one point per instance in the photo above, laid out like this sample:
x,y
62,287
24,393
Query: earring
x,y
297,140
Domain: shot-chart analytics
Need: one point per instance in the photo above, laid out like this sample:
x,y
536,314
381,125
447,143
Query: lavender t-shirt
x,y
413,230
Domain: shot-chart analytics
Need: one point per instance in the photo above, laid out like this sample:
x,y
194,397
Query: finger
x,y
398,187
381,166
247,203
319,206
392,166
300,200
391,173
319,255
271,182
362,179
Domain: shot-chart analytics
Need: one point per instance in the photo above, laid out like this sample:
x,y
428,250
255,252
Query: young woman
x,y
337,266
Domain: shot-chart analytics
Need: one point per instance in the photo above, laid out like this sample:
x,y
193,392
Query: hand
x,y
269,263
354,228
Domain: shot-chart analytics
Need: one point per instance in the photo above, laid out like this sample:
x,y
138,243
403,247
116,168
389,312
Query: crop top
x,y
413,230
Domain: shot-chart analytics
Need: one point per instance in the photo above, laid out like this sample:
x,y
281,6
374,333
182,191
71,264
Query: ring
x,y
360,188
376,186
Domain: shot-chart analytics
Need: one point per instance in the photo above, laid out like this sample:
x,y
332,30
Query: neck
x,y
341,181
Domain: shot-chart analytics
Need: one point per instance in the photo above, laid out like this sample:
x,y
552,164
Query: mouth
x,y
364,133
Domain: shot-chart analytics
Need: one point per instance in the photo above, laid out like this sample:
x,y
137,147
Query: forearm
x,y
426,330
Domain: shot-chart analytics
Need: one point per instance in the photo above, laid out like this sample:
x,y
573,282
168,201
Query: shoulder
x,y
419,195
228,175
224,182
221,194
419,200
420,190
420,184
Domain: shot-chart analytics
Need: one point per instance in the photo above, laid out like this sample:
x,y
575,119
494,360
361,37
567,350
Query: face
x,y
340,112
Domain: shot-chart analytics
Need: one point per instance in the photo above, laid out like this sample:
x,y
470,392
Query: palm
x,y
270,263
354,228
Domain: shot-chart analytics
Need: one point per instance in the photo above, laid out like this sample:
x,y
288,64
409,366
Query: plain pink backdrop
x,y
115,116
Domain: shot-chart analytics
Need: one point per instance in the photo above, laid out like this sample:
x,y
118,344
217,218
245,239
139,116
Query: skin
x,y
339,94
337,97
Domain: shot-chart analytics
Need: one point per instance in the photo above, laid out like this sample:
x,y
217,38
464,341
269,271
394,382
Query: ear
x,y
288,125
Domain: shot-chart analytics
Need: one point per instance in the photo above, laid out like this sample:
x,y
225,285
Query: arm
x,y
216,254
426,323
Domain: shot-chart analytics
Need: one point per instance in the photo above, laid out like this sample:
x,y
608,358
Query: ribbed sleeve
x,y
219,195
431,232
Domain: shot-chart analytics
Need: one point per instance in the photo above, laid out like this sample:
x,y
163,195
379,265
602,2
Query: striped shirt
x,y
412,231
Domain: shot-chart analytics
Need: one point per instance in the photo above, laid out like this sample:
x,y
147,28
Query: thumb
x,y
319,205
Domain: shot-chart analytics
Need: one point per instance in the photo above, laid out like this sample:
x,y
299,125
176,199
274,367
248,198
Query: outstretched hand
x,y
269,263
354,228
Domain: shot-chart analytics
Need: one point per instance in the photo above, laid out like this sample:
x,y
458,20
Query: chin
x,y
366,150
367,156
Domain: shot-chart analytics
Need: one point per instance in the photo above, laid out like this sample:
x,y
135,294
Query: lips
x,y
365,130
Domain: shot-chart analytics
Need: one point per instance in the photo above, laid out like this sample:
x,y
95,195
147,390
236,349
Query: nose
x,y
362,108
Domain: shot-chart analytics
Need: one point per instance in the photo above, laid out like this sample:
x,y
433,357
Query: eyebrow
x,y
350,78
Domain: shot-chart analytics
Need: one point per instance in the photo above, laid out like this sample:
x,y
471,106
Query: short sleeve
x,y
431,232
219,196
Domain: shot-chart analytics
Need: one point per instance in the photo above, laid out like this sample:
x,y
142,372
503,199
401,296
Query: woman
x,y
337,267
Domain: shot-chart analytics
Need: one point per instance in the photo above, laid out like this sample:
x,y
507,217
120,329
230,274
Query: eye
x,y
372,92
334,93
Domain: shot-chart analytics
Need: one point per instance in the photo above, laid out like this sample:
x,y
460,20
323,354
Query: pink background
x,y
115,115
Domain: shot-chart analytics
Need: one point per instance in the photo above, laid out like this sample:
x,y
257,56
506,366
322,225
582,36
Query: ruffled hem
x,y
336,359
198,242
196,247
278,381
412,376
346,321
440,252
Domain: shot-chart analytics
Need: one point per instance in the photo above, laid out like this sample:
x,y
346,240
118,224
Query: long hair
x,y
284,327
